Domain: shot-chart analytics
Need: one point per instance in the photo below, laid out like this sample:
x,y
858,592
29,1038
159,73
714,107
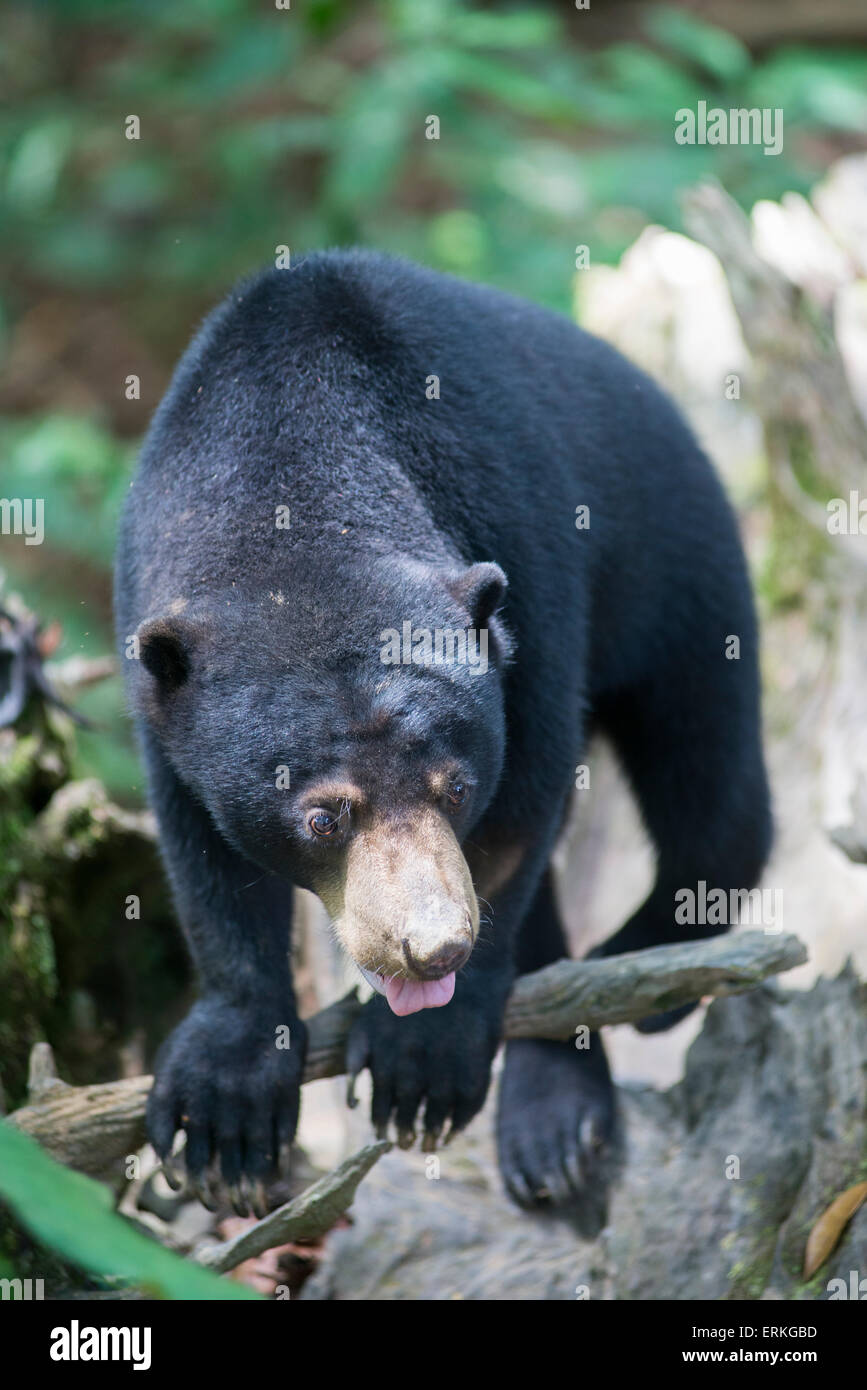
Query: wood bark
x,y
94,1128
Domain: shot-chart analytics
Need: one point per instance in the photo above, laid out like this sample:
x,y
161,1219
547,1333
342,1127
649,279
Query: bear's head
x,y
347,734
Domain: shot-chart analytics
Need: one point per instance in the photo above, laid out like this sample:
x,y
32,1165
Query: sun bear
x,y
366,642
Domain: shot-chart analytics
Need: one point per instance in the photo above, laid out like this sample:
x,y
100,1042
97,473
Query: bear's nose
x,y
445,957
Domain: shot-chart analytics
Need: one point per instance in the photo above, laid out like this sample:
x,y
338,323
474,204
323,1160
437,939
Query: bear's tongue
x,y
409,996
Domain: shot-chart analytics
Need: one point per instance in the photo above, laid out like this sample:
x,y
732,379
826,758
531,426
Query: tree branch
x,y
94,1128
306,1218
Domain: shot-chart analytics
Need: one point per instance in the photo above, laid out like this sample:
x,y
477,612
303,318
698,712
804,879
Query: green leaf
x,y
516,88
371,132
520,29
260,54
73,1215
420,21
37,163
458,240
645,86
719,53
827,88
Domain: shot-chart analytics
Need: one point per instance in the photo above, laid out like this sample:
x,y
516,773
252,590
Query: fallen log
x,y
95,1128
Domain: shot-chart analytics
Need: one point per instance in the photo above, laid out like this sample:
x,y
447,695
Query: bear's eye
x,y
456,794
323,824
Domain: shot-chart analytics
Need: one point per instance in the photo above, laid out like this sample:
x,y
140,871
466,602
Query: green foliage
x,y
307,127
80,472
711,50
263,126
72,1215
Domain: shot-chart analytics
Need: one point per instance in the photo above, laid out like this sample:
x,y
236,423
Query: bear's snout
x,y
438,959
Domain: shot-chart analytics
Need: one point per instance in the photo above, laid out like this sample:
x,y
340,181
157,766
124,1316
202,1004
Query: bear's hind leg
x,y
691,746
556,1117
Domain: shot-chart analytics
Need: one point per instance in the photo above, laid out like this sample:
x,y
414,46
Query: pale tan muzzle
x,y
406,906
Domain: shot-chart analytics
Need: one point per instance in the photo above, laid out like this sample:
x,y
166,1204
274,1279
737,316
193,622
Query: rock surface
x,y
724,1176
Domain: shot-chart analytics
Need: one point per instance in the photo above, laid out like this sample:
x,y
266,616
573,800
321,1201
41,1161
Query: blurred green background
x,y
306,127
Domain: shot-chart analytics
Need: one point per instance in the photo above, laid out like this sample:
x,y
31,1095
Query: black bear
x,y
396,546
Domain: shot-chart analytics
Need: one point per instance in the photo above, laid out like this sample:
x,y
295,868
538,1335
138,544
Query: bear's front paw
x,y
440,1058
230,1077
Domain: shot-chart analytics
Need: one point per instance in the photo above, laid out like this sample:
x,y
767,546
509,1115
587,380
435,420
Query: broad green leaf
x,y
372,130
73,1215
520,29
37,163
516,88
719,53
646,86
828,88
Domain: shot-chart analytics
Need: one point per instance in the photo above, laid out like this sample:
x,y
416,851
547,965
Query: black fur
x,y
306,388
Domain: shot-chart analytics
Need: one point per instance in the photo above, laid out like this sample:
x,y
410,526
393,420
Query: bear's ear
x,y
165,648
479,590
